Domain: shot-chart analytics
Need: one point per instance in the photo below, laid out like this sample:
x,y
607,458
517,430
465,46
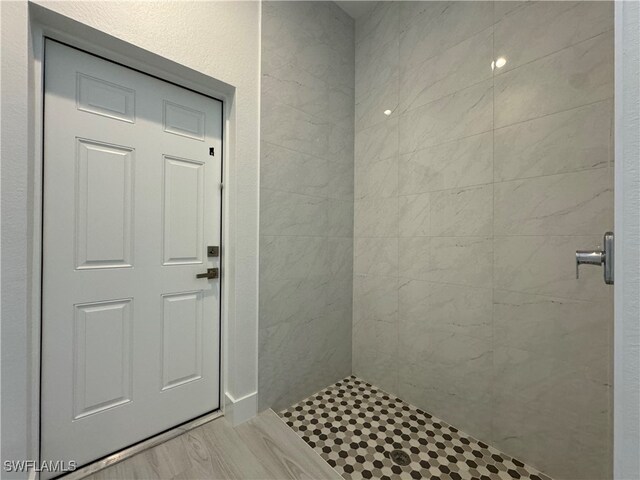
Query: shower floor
x,y
355,426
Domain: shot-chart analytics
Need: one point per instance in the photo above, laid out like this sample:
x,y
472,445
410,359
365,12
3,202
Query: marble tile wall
x,y
306,204
470,199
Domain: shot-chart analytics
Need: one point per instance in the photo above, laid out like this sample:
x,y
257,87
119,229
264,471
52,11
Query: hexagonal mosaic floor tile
x,y
356,426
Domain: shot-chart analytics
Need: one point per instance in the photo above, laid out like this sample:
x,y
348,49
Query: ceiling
x,y
356,9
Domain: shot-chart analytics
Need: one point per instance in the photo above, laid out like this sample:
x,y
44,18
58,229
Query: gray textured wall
x,y
306,224
470,201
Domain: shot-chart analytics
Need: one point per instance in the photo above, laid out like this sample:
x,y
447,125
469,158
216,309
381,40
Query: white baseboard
x,y
242,409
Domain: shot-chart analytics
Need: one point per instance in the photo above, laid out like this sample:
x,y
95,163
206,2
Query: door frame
x,y
44,25
626,356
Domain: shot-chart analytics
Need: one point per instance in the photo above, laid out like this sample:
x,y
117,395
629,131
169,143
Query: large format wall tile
x,y
573,140
283,213
566,204
376,178
306,212
370,107
462,260
452,308
290,171
547,325
459,163
376,217
376,256
340,218
296,88
440,26
575,76
293,257
375,298
545,265
462,212
465,251
378,66
292,300
414,215
294,129
377,142
552,440
542,28
462,114
459,67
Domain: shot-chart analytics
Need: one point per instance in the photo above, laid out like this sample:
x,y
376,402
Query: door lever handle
x,y
598,257
210,274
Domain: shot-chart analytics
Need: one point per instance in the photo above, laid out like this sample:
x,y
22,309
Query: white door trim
x,y
626,434
47,24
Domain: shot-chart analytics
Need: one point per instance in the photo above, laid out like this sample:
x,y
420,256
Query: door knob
x,y
210,274
598,257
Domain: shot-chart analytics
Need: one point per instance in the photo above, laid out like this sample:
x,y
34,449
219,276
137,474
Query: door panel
x,y
183,210
182,339
130,336
104,205
103,358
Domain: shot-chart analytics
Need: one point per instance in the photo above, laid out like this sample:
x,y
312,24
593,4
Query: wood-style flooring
x,y
262,448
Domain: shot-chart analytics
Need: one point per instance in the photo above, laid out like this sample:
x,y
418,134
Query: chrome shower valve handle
x,y
598,257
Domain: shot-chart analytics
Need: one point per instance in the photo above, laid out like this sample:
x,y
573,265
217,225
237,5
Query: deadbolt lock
x,y
213,251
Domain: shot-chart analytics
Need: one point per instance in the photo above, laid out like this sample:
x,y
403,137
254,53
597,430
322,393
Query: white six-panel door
x,y
130,342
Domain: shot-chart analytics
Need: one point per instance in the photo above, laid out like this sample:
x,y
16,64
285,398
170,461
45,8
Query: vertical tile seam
x,y
492,387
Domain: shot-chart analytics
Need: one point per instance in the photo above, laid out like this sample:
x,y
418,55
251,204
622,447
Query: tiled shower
x,y
427,172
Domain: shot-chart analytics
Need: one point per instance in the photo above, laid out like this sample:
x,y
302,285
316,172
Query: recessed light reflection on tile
x,y
498,63
387,112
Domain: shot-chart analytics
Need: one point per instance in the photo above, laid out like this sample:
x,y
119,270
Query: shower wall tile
x,y
460,163
566,204
294,172
340,218
462,114
375,299
380,26
377,142
340,253
577,445
284,213
378,65
293,300
306,208
462,260
572,77
380,369
545,265
440,26
370,107
413,389
414,215
548,325
414,260
461,66
468,252
376,178
376,217
287,257
381,337
542,28
376,256
294,129
569,141
501,9
296,88
462,212
451,308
